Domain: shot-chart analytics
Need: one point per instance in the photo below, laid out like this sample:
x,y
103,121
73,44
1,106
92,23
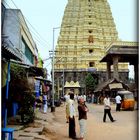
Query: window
x,y
90,31
90,50
23,47
90,39
91,64
27,52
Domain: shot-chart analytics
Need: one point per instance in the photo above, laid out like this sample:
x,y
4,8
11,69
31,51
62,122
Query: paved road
x,y
125,128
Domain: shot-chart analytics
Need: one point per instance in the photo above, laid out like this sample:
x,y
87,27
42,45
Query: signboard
x,y
115,85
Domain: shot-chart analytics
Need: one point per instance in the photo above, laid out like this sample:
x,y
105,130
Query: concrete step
x,y
24,138
34,130
35,135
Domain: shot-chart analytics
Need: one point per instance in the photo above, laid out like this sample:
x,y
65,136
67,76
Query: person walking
x,y
107,109
82,110
72,114
118,102
45,104
92,98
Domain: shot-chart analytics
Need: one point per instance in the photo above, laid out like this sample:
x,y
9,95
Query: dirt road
x,y
125,128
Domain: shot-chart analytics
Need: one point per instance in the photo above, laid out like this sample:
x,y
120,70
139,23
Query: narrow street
x,y
55,126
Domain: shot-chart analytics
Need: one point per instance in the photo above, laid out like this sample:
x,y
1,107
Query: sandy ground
x,y
125,128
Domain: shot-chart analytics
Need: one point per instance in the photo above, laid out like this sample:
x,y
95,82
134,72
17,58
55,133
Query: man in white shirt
x,y
72,114
107,109
118,102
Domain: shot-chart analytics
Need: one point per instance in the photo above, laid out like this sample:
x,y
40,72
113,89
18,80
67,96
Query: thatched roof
x,y
110,84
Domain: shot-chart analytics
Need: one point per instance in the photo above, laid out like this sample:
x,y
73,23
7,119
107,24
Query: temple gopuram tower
x,y
87,29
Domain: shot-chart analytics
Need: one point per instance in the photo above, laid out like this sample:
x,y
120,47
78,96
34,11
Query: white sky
x,y
44,15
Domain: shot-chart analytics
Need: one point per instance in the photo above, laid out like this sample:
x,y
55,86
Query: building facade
x,y
18,47
17,32
87,29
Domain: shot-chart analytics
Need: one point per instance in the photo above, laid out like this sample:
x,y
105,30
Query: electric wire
x,y
27,29
30,24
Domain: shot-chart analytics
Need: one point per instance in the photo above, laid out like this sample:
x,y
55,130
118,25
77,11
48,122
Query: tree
x,y
90,83
19,86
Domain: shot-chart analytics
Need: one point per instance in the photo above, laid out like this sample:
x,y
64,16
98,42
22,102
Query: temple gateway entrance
x,y
72,87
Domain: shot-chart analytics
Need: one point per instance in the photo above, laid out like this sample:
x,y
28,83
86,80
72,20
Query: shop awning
x,y
32,70
43,79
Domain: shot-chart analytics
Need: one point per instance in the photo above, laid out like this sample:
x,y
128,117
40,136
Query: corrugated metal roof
x,y
9,52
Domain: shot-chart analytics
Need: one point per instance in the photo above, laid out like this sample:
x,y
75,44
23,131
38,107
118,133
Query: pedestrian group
x,y
70,100
71,114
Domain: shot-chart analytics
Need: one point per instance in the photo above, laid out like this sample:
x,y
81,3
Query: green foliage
x,y
18,78
90,83
18,82
18,85
20,72
27,108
